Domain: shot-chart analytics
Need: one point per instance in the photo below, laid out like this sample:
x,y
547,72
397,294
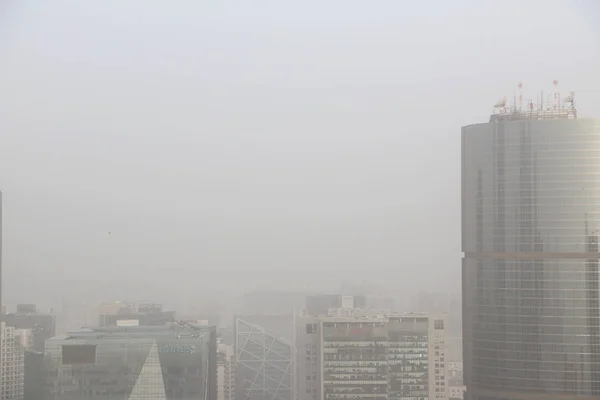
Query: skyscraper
x,y
530,229
0,252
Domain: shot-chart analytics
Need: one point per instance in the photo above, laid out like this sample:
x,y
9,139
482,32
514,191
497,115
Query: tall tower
x,y
530,230
0,252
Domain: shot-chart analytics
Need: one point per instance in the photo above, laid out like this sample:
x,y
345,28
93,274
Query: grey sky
x,y
215,138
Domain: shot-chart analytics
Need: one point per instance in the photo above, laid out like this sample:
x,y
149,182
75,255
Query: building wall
x,y
530,226
226,380
354,358
264,367
11,365
308,358
135,362
395,357
41,326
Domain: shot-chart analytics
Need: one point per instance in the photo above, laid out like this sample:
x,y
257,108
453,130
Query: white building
x,y
225,372
455,387
391,357
12,368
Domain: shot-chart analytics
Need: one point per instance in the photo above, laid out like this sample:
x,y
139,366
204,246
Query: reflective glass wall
x,y
531,221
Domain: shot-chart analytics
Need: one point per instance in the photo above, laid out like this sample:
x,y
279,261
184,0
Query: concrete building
x,y
416,356
354,358
12,372
2,308
41,326
226,378
530,232
455,387
395,356
136,362
454,348
33,385
308,361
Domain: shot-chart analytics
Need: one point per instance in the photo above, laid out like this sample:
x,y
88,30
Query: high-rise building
x,y
134,362
416,356
354,358
455,387
394,356
1,307
264,357
12,370
41,326
226,381
530,230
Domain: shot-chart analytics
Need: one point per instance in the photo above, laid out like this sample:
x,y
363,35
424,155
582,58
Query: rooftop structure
x,y
554,107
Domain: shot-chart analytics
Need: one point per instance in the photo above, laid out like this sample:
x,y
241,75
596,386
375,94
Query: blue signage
x,y
178,348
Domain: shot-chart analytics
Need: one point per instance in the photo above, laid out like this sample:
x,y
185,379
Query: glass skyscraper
x,y
530,231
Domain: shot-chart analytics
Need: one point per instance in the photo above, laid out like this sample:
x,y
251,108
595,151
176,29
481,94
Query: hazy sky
x,y
258,143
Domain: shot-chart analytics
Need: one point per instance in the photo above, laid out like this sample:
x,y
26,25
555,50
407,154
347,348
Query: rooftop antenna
x,y
520,86
556,105
570,99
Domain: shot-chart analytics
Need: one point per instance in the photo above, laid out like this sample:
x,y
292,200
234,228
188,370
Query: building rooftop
x,y
137,332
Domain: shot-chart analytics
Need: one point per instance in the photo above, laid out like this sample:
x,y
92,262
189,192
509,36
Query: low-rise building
x,y
135,362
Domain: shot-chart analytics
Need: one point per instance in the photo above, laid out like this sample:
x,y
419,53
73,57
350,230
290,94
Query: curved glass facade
x,y
531,225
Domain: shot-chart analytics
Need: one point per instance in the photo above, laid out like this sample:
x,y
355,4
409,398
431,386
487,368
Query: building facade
x,y
12,369
354,358
530,230
226,381
41,326
139,362
416,356
264,368
395,356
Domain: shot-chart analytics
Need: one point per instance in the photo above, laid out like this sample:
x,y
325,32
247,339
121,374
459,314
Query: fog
x,y
188,150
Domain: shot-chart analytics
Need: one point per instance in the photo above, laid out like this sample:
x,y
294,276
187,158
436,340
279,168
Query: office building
x,y
308,362
416,356
354,357
2,308
136,362
454,348
40,326
394,356
455,387
264,358
226,378
12,373
33,383
530,230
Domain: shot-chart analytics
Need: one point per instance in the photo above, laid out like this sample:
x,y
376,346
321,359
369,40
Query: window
x,y
311,329
438,324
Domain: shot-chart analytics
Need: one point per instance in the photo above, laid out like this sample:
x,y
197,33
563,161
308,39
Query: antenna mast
x,y
556,105
520,86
